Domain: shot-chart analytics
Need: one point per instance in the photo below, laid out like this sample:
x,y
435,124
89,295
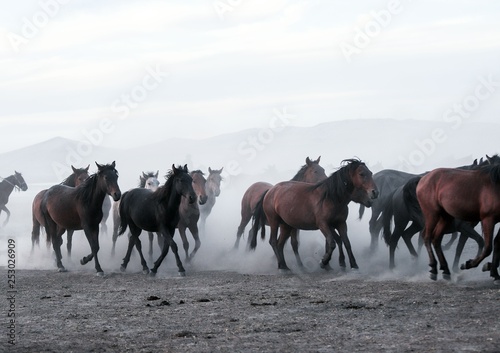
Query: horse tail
x,y
361,211
411,200
46,219
258,219
387,214
123,217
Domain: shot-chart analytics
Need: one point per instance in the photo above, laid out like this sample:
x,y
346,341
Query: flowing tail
x,y
386,219
259,220
411,200
361,211
123,217
47,220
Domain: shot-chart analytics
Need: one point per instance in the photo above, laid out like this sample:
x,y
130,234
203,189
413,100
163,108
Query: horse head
x,y
19,181
361,178
313,172
108,175
183,183
80,174
149,181
213,181
199,184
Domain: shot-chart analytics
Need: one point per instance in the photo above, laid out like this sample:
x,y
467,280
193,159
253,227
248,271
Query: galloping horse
x,y
78,176
64,207
148,181
156,211
469,195
294,205
311,172
212,189
8,184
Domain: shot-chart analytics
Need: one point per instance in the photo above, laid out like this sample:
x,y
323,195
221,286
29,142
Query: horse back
x,y
60,203
138,207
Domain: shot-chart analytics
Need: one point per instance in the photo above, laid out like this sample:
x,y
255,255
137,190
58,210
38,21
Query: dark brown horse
x,y
8,184
78,176
468,195
158,211
189,213
148,181
294,205
65,207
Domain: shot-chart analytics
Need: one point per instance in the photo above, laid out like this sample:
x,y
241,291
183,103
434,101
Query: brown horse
x,y
64,207
311,172
8,184
294,205
78,176
468,195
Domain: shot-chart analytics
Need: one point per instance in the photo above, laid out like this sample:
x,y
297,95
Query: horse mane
x,y
163,192
338,184
300,174
85,191
142,179
493,171
70,180
197,171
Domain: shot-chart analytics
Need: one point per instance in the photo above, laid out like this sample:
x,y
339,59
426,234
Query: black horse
x,y
6,186
403,206
158,211
65,207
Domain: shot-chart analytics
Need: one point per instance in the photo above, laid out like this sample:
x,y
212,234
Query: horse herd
x,y
444,200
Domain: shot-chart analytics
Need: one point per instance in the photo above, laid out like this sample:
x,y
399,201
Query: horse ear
x,y
156,175
99,166
144,175
186,168
210,170
475,162
73,168
220,170
489,159
308,161
87,169
317,160
113,164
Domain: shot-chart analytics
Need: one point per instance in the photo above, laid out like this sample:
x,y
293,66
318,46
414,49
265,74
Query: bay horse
x,y
189,213
148,181
7,185
212,190
76,178
295,205
469,195
157,211
77,208
311,172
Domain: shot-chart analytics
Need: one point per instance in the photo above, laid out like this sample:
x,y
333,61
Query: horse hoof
x,y
285,271
123,268
152,274
487,267
82,262
433,276
145,271
182,274
62,269
100,274
497,282
447,276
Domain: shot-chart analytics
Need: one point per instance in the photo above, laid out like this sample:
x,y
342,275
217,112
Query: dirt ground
x,y
221,311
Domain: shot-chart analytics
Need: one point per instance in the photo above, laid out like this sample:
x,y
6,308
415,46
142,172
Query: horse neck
x,y
337,187
93,194
7,185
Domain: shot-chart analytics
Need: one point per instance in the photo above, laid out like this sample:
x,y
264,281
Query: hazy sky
x,y
128,72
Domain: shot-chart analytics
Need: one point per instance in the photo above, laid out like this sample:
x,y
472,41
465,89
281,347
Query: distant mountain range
x,y
399,144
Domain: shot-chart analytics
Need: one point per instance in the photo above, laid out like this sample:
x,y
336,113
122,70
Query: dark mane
x,y
197,171
163,192
86,190
142,179
300,174
339,184
70,180
493,171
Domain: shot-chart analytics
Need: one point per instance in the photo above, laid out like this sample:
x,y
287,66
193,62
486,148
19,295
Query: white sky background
x,y
66,65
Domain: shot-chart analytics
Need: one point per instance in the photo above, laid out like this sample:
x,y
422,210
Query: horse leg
x,y
448,245
393,243
342,228
294,240
169,242
134,233
331,237
151,237
466,231
114,238
495,262
273,241
193,228
69,242
4,208
285,232
185,243
246,216
488,226
374,228
138,246
92,235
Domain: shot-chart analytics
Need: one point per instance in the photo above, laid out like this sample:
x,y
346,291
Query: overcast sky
x,y
139,71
